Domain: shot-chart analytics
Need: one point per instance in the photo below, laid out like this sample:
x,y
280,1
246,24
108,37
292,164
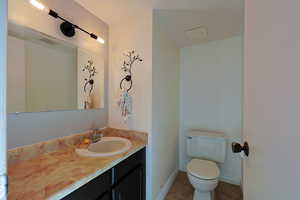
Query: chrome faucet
x,y
96,136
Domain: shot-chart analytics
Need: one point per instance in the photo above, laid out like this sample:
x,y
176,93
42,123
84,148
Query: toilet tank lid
x,y
206,133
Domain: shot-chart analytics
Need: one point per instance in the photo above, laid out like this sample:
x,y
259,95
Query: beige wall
x,y
133,33
165,109
211,97
27,128
151,94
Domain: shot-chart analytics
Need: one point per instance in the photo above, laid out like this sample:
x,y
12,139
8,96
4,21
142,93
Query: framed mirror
x,y
47,74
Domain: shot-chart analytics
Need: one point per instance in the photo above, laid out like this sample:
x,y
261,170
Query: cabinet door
x,y
94,189
107,196
126,166
130,187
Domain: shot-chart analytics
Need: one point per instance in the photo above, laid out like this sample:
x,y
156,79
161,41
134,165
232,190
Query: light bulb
x,y
100,40
39,6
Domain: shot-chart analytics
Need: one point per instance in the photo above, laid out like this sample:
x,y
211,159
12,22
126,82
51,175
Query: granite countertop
x,y
55,174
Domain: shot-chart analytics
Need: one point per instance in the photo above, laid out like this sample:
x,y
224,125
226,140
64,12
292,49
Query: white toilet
x,y
206,148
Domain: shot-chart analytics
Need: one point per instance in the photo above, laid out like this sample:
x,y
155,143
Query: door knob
x,y
238,148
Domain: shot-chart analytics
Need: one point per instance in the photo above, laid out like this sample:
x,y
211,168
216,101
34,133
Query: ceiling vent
x,y
197,33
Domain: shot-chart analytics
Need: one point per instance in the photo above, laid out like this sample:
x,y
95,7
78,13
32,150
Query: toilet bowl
x,y
203,175
207,148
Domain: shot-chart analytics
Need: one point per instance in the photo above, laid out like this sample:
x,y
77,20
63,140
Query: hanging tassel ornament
x,y
125,105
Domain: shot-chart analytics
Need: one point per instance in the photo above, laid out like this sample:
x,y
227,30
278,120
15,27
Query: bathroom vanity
x,y
53,170
125,181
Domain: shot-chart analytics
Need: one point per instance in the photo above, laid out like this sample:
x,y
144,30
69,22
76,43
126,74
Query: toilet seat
x,y
203,169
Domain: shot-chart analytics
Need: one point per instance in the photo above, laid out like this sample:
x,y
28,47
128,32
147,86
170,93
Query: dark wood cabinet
x,y
106,196
125,181
126,166
94,189
131,187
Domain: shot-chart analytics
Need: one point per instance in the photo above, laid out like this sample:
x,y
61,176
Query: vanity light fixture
x,y
67,28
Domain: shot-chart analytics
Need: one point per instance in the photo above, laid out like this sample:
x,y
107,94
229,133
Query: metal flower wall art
x,y
125,101
127,67
89,83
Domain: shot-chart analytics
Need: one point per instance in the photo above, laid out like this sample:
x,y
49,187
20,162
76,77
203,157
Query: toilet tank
x,y
206,145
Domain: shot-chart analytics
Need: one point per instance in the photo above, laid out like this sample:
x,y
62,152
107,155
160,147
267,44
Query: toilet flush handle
x,y
238,148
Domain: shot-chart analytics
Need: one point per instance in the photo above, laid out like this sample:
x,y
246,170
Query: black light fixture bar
x,y
67,27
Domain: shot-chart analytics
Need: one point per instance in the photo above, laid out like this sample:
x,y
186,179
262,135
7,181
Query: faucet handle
x,y
96,135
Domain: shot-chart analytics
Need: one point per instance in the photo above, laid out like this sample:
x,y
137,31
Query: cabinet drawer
x,y
126,166
93,189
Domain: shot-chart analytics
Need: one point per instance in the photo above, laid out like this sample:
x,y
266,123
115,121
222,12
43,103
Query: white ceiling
x,y
221,23
222,18
111,11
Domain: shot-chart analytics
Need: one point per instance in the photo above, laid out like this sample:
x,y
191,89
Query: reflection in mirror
x,y
46,74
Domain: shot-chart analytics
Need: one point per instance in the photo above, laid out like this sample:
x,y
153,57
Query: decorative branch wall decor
x,y
132,57
89,83
125,101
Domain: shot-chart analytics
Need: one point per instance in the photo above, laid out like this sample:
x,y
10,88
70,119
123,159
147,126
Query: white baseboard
x,y
164,191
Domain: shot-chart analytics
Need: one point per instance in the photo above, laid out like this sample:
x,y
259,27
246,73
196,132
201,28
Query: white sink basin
x,y
107,146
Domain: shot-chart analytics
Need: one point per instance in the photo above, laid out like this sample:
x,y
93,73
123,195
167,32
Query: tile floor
x,y
183,190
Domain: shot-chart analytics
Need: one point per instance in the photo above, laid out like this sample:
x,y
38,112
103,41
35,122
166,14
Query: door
x,y
272,99
130,187
3,36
